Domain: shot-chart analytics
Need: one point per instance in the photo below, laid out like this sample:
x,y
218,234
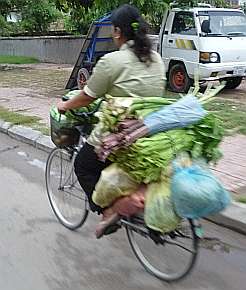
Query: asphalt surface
x,y
36,252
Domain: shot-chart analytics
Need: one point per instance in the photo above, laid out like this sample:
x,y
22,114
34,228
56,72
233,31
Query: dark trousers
x,y
88,170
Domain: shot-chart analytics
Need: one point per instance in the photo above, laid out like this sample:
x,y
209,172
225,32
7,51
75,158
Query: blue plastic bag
x,y
196,192
180,114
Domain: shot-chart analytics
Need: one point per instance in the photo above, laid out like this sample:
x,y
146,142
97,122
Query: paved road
x,y
37,253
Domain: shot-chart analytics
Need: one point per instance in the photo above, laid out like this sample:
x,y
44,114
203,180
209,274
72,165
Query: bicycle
x,y
71,209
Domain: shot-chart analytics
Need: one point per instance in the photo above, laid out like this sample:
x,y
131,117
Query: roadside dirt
x,y
236,95
32,89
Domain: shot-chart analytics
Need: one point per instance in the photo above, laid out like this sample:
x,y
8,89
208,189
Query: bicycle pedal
x,y
112,229
172,235
155,236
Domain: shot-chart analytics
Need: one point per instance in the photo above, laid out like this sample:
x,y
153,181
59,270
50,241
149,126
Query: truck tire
x,y
178,79
232,83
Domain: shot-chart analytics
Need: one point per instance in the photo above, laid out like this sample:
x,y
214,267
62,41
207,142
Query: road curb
x,y
234,217
27,135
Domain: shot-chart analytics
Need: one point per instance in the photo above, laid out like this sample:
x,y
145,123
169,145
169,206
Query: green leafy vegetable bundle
x,y
148,158
117,109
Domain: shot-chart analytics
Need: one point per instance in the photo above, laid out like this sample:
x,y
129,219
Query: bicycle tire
x,y
66,187
149,267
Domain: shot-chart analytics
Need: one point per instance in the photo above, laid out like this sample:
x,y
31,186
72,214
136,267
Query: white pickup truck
x,y
209,42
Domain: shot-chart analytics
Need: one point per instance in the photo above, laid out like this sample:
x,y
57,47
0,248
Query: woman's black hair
x,y
133,27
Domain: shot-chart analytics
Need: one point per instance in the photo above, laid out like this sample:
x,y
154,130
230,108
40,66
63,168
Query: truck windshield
x,y
222,23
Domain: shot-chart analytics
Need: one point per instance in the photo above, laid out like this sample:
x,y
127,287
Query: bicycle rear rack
x,y
157,237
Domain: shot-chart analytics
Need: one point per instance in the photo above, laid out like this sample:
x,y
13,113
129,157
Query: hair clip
x,y
135,26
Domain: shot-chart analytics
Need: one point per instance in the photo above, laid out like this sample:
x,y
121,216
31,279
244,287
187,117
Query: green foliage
x,y
83,12
72,4
152,10
80,19
193,3
37,16
243,6
7,28
7,6
220,3
4,27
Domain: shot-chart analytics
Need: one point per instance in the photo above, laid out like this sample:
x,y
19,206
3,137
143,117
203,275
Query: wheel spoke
x,y
168,256
69,193
179,245
67,199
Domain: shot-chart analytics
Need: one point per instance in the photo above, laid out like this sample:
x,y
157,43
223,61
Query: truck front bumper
x,y
215,71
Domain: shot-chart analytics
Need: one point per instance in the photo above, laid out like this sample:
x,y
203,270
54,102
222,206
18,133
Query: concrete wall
x,y
62,49
53,49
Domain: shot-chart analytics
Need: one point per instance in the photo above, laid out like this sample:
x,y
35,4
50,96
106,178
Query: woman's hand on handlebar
x,y
81,100
61,107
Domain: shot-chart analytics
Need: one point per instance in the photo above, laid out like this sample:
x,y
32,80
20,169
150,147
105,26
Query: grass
x,y
241,199
232,114
19,119
8,59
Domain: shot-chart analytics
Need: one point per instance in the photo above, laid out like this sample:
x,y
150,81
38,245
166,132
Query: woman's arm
x,y
81,100
97,86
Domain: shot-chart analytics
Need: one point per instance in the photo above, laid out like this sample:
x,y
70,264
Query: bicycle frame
x,y
157,237
73,150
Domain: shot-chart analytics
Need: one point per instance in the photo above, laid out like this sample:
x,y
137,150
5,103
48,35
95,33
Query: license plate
x,y
239,71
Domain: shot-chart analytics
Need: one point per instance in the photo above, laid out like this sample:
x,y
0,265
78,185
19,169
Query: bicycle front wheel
x,y
169,257
66,197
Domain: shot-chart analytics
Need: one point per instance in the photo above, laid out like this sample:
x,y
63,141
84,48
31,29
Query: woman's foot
x,y
108,225
131,205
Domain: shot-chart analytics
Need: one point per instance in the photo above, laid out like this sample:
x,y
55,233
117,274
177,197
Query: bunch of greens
x,y
148,158
208,134
115,110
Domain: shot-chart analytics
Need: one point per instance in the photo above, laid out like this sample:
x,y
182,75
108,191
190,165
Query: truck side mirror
x,y
206,26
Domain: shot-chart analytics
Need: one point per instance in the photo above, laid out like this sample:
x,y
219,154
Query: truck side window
x,y
184,23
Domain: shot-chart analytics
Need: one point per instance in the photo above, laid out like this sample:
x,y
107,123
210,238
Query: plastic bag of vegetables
x,y
63,126
63,131
91,107
113,183
159,212
196,192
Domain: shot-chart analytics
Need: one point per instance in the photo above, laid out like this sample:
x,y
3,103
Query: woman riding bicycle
x,y
133,71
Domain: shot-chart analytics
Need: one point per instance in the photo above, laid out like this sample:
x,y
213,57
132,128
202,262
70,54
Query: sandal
x,y
107,226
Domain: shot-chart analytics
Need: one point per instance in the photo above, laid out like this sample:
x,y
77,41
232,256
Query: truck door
x,y
181,41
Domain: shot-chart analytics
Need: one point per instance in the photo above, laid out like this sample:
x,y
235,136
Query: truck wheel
x,y
232,83
178,79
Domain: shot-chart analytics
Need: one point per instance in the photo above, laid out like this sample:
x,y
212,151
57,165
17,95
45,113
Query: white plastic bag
x,y
113,183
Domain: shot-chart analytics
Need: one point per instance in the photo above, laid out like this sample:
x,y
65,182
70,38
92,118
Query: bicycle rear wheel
x,y
169,257
66,197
